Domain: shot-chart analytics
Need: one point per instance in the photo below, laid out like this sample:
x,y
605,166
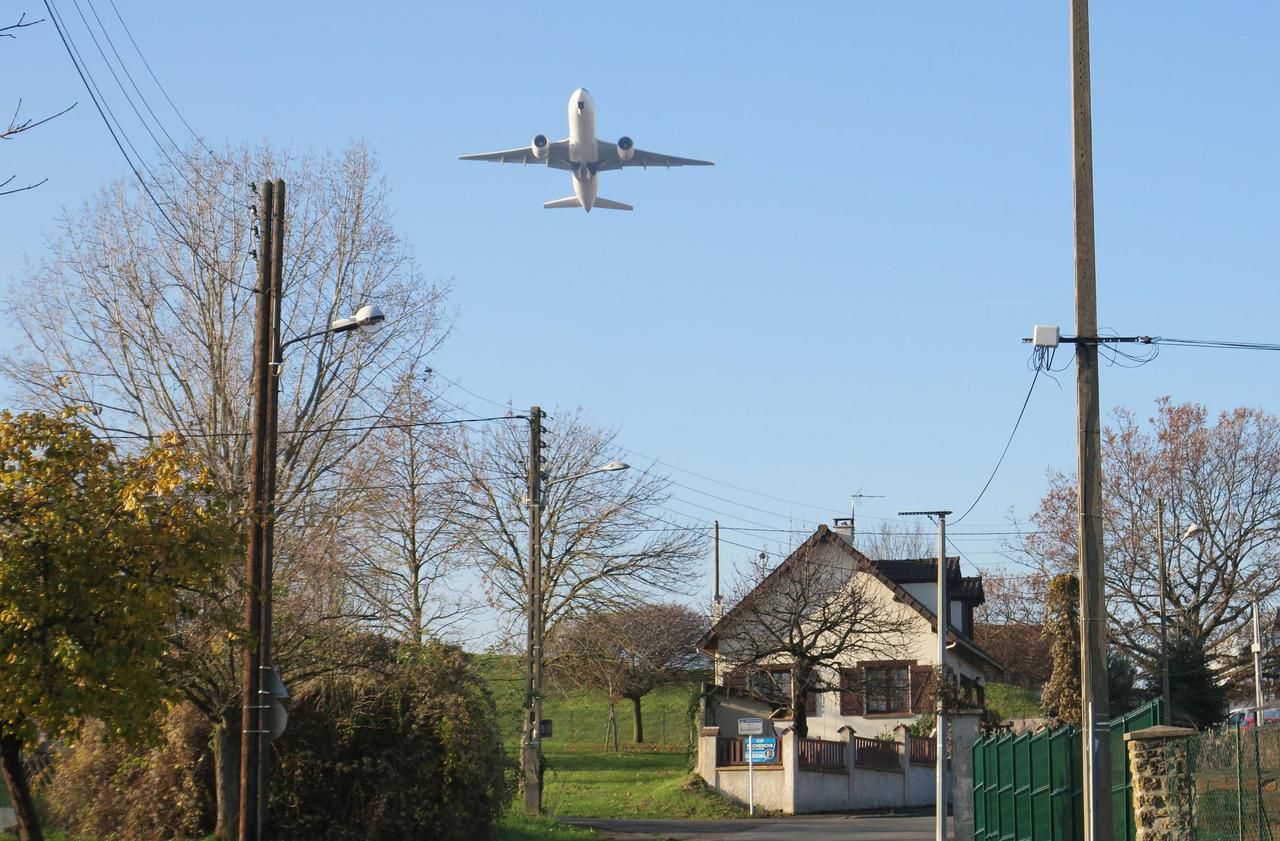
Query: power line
x,y
103,110
1005,451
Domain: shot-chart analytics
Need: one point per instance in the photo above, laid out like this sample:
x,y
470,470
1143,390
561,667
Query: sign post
x,y
750,727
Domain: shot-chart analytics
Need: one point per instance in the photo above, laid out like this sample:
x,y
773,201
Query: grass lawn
x,y
586,782
516,827
1013,701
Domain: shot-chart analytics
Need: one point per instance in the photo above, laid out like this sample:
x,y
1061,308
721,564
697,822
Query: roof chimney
x,y
843,526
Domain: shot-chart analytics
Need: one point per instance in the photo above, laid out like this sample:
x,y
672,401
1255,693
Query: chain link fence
x,y
1236,772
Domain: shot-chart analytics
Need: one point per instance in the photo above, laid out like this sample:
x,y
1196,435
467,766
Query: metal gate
x,y
1029,787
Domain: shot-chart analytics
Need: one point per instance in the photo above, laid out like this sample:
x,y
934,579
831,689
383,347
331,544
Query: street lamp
x,y
262,685
531,750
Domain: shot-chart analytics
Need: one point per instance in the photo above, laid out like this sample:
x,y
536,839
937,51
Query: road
x,y
802,828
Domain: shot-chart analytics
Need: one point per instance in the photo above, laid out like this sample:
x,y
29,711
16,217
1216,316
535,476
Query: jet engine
x,y
626,148
540,147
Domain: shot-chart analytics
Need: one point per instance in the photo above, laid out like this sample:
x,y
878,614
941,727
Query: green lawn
x,y
516,827
580,717
582,778
1013,701
586,782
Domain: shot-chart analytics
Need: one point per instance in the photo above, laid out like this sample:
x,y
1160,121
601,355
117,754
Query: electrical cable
x,y
103,109
1005,451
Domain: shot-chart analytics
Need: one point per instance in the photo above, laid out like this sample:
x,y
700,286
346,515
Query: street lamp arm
x,y
608,468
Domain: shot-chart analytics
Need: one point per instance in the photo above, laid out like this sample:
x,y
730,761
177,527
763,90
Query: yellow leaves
x,y
93,551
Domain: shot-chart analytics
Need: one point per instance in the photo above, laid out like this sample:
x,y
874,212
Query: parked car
x,y
1245,717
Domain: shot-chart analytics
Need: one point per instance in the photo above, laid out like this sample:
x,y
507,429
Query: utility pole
x,y
531,754
1095,746
715,572
944,621
1257,663
251,719
266,663
1164,616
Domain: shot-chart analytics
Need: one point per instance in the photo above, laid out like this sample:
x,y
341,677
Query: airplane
x,y
585,156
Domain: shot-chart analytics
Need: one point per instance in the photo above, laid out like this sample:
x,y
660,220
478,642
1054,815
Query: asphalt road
x,y
803,828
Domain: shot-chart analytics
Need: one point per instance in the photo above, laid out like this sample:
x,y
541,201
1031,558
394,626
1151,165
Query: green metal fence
x,y
1029,787
1236,776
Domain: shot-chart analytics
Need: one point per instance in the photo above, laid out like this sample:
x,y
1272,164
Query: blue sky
x,y
836,307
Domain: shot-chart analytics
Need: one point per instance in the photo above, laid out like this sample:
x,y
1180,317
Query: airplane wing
x,y
609,158
557,156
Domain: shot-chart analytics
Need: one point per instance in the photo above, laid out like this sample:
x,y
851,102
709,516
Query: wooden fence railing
x,y
875,753
819,754
922,750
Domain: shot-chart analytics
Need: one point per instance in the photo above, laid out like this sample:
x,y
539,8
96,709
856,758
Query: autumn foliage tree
x,y
96,555
1222,474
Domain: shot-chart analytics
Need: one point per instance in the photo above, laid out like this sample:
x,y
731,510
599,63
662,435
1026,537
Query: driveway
x,y
801,828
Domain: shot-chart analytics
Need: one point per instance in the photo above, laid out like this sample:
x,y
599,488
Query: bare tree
x,y
627,653
146,315
1008,626
812,614
404,547
886,544
1223,476
604,541
17,125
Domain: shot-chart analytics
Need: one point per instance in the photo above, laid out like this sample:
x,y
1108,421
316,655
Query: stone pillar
x,y
1161,790
964,732
707,756
788,754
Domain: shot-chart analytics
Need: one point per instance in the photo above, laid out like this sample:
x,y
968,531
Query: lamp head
x,y
614,465
370,318
1193,530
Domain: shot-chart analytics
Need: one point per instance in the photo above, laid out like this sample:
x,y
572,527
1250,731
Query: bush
x,y
103,788
414,753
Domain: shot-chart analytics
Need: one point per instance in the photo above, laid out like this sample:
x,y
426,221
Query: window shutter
x,y
921,683
738,681
810,702
851,698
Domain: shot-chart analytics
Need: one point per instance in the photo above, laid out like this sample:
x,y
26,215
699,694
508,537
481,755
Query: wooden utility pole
x,y
531,753
251,720
1096,745
266,663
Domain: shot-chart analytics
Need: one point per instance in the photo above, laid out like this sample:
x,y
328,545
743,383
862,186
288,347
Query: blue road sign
x,y
762,749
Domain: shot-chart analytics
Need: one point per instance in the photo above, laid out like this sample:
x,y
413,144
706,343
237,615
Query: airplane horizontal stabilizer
x,y
571,201
610,204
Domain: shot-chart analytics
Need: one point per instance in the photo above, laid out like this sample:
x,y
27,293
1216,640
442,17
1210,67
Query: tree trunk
x,y
226,764
611,729
637,720
800,715
15,780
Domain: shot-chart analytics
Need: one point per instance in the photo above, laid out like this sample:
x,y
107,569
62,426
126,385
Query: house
x,y
873,680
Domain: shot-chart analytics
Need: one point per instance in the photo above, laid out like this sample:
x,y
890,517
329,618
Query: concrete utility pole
x,y
1164,614
251,719
1095,746
1257,663
940,720
531,754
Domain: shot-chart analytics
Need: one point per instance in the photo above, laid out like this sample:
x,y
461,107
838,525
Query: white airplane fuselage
x,y
583,151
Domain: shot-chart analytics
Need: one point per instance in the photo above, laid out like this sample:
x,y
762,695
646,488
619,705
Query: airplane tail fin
x,y
610,204
571,201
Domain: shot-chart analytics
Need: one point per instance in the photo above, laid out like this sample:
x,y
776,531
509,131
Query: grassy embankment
x,y
585,780
1013,701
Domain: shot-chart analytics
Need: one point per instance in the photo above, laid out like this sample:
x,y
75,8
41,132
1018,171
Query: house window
x,y
888,688
774,684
